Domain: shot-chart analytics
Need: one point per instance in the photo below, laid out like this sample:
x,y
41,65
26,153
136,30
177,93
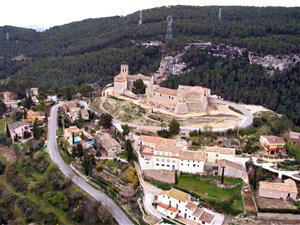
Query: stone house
x,y
294,137
109,145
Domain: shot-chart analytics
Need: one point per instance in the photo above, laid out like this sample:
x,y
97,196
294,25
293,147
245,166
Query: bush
x,y
2,168
163,133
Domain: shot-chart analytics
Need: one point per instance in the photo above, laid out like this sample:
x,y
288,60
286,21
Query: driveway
x,y
116,212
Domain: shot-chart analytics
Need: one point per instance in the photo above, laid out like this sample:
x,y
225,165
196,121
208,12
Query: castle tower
x,y
124,69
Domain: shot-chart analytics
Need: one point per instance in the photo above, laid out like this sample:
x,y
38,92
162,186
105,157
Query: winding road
x,y
116,212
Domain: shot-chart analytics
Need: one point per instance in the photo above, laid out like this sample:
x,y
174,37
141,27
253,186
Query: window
x,y
160,95
157,164
162,164
182,164
157,159
147,162
168,165
194,165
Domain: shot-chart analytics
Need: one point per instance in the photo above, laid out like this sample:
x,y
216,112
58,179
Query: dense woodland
x,y
90,51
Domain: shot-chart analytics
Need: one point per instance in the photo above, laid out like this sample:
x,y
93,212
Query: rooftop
x,y
72,129
271,139
206,217
294,135
108,142
224,162
17,124
167,207
166,91
192,155
221,150
176,194
192,206
288,185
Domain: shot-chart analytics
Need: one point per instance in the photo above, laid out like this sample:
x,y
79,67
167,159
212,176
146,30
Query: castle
x,y
186,99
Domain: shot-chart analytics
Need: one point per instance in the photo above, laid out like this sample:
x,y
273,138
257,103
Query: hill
x,y
91,51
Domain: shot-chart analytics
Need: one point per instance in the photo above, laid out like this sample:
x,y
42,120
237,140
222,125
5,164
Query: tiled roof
x,y
120,78
224,162
166,91
72,129
192,206
167,207
220,150
138,76
288,185
206,217
17,124
176,194
108,142
192,155
198,212
271,139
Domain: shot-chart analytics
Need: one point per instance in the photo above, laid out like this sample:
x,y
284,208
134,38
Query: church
x,y
186,99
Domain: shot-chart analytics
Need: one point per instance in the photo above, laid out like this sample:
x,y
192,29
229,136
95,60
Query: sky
x,y
48,13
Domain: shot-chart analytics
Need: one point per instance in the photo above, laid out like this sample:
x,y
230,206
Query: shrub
x,y
163,133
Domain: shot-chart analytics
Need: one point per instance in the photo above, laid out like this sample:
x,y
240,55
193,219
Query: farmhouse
x,y
174,203
18,129
109,145
285,190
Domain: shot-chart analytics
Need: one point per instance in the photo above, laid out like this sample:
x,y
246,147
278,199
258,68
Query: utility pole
x,y
220,14
169,34
141,17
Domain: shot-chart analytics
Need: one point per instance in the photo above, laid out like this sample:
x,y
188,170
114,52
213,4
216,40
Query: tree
x,y
79,150
87,164
36,130
126,129
3,108
105,120
18,115
174,127
139,87
222,176
163,133
27,103
2,167
129,149
104,215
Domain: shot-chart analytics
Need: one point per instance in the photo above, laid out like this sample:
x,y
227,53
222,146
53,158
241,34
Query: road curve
x,y
116,212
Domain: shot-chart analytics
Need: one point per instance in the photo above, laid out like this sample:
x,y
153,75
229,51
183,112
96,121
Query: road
x,y
116,212
247,120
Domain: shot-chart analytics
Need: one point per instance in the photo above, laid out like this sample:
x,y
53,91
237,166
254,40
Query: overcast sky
x,y
47,13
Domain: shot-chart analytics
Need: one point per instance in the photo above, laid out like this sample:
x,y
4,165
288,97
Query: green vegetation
x,y
230,200
105,120
139,87
174,127
293,149
33,190
65,57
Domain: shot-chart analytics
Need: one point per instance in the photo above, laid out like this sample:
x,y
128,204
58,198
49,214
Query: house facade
x,y
285,190
272,145
177,204
166,154
110,146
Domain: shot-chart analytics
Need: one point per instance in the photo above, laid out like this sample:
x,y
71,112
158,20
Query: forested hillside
x,y
92,50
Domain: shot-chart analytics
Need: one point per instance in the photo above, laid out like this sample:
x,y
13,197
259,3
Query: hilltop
x,y
92,50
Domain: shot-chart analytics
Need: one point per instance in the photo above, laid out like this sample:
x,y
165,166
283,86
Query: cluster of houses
x,y
108,146
156,153
177,204
74,111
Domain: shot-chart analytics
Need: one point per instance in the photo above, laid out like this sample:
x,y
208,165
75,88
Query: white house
x,y
167,154
287,189
216,153
177,204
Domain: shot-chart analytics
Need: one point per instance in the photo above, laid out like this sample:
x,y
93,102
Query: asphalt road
x,y
116,212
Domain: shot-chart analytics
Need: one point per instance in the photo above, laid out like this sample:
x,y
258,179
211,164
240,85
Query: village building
x,y
17,130
213,154
294,137
177,204
109,145
123,82
186,99
167,154
10,100
34,115
85,114
232,169
74,135
285,190
272,145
